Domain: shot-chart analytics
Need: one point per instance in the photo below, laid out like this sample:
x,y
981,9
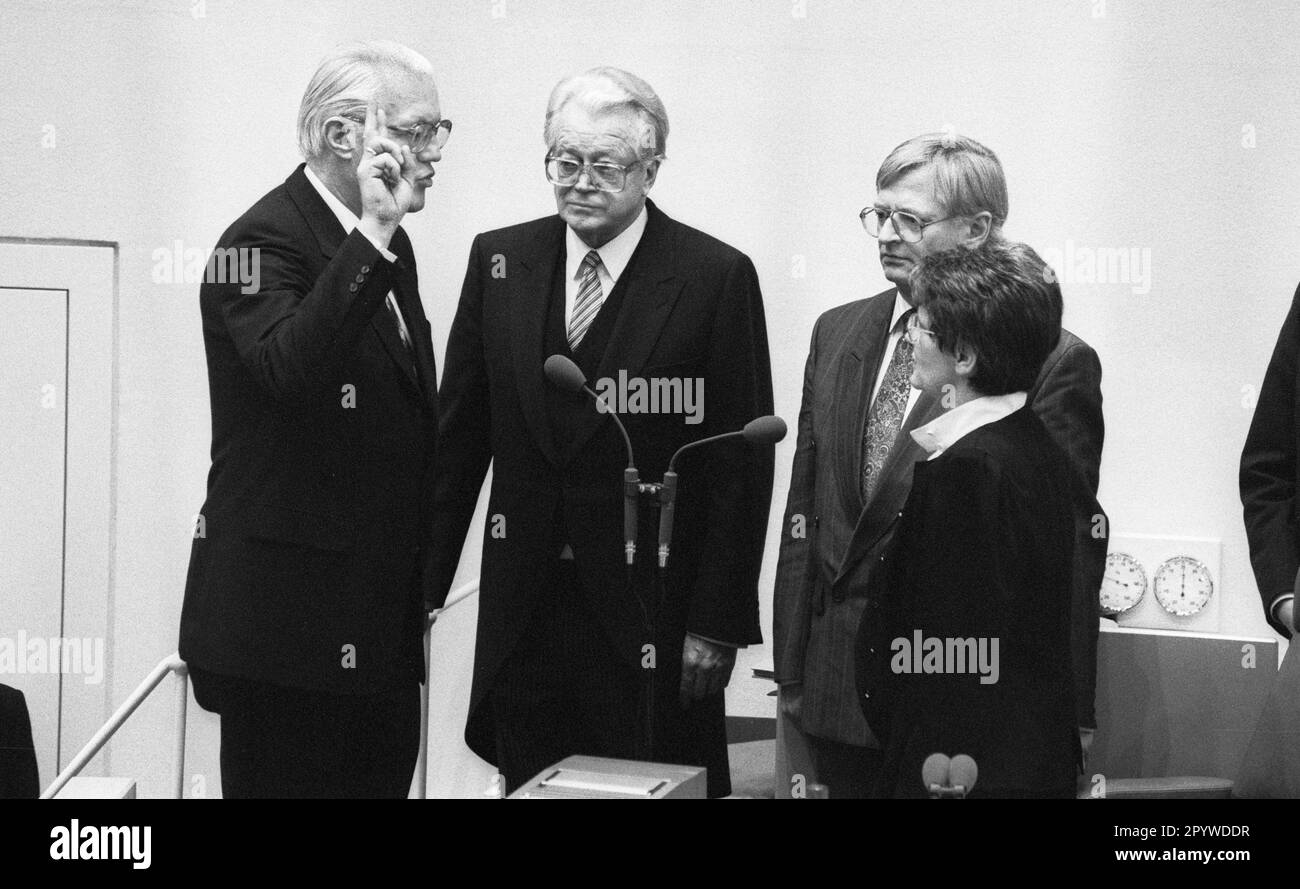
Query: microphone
x,y
946,778
963,773
564,374
763,430
567,376
934,772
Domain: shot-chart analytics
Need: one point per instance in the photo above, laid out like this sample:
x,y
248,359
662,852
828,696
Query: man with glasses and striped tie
x,y
854,455
625,292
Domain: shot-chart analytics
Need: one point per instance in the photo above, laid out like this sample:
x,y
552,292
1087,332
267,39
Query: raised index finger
x,y
372,120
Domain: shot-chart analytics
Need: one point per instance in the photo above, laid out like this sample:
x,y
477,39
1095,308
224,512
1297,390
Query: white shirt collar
x,y
346,217
614,256
901,308
946,429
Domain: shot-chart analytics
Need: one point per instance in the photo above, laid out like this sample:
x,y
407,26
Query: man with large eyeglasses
x,y
303,615
854,457
614,284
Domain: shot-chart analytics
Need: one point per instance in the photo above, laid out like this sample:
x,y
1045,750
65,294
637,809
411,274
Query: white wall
x,y
1120,125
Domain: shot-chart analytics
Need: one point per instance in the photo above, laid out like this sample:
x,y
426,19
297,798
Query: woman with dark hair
x,y
964,646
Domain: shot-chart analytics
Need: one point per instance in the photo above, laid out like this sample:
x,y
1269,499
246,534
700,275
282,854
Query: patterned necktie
x,y
887,412
589,299
391,302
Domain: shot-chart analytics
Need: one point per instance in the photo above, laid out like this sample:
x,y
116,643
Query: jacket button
x,y
365,270
352,288
361,279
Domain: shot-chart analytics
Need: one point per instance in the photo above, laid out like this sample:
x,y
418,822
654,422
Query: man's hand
x,y
706,668
385,176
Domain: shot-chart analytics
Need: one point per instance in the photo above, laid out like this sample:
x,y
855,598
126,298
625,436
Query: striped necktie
x,y
589,299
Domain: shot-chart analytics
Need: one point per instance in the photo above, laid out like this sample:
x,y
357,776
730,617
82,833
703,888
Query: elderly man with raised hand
x,y
303,614
616,286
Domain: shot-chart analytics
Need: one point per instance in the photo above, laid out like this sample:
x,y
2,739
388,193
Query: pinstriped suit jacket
x,y
831,540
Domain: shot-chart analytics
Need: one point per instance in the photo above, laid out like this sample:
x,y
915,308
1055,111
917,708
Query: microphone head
x,y
564,374
963,772
765,430
935,770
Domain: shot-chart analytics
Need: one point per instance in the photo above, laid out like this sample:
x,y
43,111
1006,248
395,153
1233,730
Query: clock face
x,y
1124,584
1183,585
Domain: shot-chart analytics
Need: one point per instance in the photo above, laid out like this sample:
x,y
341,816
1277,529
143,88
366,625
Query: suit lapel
x,y
528,293
416,365
329,235
651,287
324,224
854,380
895,482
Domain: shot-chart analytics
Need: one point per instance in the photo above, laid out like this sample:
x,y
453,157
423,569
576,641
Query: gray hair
x,y
603,90
347,80
968,177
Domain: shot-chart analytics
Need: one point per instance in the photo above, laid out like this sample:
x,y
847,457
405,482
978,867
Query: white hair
x,y
604,90
347,80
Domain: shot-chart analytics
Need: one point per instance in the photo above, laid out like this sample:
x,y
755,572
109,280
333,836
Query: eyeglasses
x,y
565,172
914,330
909,228
418,137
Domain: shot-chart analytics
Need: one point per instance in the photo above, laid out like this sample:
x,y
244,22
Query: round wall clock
x,y
1183,585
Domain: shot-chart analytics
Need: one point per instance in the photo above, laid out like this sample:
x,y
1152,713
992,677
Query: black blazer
x,y
18,774
831,543
304,570
983,550
1270,464
691,307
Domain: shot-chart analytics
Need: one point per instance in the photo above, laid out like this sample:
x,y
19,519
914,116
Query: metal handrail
x,y
170,664
173,664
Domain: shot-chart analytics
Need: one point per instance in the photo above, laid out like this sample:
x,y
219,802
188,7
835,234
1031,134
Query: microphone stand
x,y
653,492
563,373
662,497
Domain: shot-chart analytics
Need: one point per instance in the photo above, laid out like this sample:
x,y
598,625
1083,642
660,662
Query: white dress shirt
x,y
349,221
614,258
944,430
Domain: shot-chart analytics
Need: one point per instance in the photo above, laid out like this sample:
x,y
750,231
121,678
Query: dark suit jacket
x,y
1269,470
307,571
18,777
822,575
982,551
691,309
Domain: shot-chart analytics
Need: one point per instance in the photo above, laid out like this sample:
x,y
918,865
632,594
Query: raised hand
x,y
384,175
